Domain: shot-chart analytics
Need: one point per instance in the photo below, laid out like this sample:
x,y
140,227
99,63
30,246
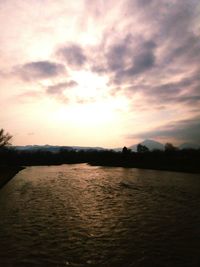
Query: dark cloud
x,y
142,61
183,130
176,17
126,58
117,54
39,70
173,25
166,15
190,100
186,51
60,87
186,91
172,46
143,3
73,55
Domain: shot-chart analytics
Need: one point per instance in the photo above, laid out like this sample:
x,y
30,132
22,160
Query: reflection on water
x,y
78,215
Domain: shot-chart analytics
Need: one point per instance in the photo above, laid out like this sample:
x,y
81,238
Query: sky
x,y
100,73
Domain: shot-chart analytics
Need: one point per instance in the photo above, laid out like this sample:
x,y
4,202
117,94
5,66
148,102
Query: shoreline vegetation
x,y
7,173
169,159
187,160
153,161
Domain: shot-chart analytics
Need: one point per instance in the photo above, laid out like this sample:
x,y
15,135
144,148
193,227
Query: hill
x,y
54,149
150,144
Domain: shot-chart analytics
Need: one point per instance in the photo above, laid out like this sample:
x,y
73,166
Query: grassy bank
x,y
7,173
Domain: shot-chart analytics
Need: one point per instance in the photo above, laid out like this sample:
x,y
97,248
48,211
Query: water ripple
x,y
78,215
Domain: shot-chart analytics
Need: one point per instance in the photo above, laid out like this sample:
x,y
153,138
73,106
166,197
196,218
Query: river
x,y
80,215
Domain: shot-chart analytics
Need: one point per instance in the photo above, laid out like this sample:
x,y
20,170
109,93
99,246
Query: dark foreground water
x,y
78,215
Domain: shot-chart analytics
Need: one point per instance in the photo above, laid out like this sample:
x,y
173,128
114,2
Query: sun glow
x,y
89,84
94,114
89,123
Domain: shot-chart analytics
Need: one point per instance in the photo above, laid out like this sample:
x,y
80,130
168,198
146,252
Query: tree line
x,y
144,149
171,158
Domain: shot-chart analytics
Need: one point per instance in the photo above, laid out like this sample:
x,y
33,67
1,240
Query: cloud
x,y
127,57
117,55
183,130
174,26
39,70
57,91
60,87
185,91
73,55
156,53
143,3
152,51
143,60
167,39
28,96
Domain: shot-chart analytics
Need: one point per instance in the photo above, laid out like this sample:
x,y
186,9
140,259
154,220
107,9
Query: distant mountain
x,y
117,149
189,145
54,149
150,144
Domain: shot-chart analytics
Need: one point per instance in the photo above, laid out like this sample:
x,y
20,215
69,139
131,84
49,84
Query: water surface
x,y
79,215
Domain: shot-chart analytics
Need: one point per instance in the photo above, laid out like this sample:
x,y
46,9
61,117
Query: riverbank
x,y
152,161
7,173
180,161
183,168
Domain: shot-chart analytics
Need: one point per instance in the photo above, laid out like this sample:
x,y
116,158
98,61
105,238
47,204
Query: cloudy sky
x,y
100,72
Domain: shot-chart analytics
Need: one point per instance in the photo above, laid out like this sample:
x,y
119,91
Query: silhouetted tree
x,y
170,147
142,149
4,138
125,150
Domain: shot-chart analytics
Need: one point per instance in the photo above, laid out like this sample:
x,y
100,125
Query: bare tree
x,y
4,138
